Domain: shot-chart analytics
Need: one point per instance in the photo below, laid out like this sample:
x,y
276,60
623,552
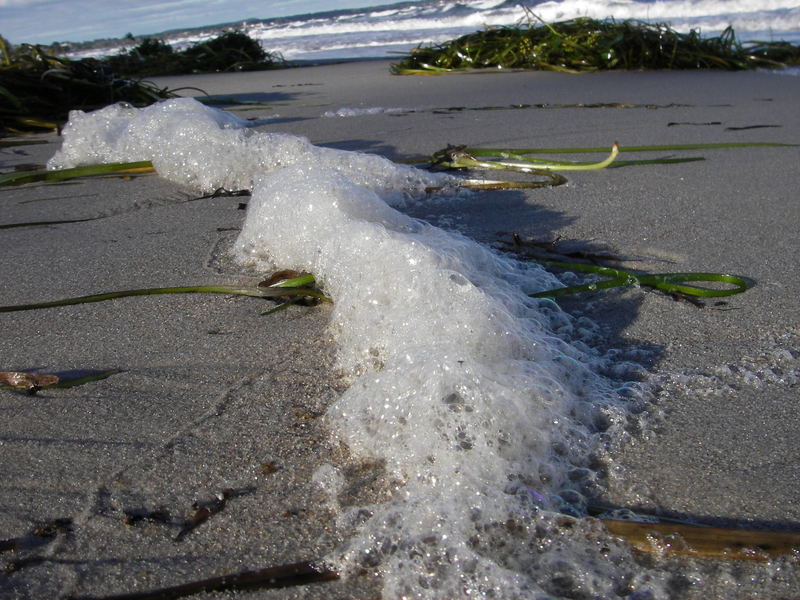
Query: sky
x,y
47,21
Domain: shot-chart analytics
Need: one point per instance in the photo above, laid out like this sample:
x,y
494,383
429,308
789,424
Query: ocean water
x,y
394,28
385,30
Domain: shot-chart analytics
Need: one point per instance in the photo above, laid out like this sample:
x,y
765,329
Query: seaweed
x,y
36,175
37,90
231,51
702,541
670,283
585,44
303,286
461,158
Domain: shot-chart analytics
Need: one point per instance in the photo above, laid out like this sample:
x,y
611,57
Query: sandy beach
x,y
211,396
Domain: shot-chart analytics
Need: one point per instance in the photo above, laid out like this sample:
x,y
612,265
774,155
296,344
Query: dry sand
x,y
212,396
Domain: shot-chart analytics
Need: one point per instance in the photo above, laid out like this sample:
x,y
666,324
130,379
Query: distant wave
x,y
400,27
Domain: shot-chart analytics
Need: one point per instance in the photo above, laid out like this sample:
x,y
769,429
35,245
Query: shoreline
x,y
728,426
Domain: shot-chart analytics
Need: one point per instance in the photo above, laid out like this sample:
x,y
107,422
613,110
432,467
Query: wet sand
x,y
211,396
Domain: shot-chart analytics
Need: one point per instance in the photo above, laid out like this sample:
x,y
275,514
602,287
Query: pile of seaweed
x,y
585,44
38,89
231,51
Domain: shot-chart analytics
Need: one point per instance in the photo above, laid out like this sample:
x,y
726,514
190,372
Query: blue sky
x,y
46,21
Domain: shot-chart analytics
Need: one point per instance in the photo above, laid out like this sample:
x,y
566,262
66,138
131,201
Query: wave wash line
x,y
490,424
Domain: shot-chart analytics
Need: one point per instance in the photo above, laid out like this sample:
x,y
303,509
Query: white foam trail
x,y
207,148
486,420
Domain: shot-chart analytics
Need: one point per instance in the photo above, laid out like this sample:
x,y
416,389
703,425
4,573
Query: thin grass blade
x,y
270,292
120,168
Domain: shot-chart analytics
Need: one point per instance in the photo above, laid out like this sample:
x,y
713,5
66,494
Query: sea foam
x,y
489,425
209,149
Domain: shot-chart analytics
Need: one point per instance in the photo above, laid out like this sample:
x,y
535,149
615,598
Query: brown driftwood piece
x,y
705,542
